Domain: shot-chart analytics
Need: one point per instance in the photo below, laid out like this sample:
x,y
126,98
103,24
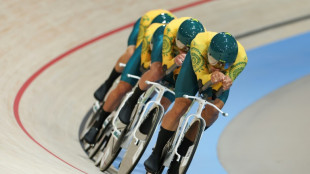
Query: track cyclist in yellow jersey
x,y
177,37
132,67
214,61
134,40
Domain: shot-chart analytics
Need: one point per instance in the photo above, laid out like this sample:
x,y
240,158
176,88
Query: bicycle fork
x,y
160,90
181,128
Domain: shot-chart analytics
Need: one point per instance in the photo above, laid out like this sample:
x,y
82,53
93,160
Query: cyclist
x,y
134,40
215,59
155,31
176,42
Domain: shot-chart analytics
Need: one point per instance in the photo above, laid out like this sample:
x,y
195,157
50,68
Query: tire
x,y
186,161
91,118
104,138
135,152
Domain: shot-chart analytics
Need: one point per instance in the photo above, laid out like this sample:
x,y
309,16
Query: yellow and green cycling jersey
x,y
141,59
146,20
170,50
146,45
199,57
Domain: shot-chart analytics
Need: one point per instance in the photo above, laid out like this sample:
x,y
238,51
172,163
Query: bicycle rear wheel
x,y
144,133
113,147
91,118
104,136
186,161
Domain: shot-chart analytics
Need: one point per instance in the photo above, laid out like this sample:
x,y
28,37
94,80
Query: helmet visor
x,y
181,46
218,64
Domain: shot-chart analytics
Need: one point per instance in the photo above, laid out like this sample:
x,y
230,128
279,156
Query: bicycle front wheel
x,y
186,161
144,134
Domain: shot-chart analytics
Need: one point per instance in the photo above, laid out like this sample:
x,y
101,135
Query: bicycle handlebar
x,y
159,86
151,83
205,102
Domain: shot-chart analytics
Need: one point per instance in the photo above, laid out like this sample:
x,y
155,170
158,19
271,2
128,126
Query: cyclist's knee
x,y
130,50
157,70
210,115
180,106
123,87
125,58
165,102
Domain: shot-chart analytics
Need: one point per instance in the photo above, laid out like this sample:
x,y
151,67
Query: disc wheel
x,y
186,161
136,149
113,147
91,118
103,139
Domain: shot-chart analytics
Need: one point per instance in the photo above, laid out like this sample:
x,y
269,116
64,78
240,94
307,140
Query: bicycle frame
x,y
160,90
183,124
135,118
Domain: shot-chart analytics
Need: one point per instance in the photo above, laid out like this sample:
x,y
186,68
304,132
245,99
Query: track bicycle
x,y
144,129
122,134
186,122
89,120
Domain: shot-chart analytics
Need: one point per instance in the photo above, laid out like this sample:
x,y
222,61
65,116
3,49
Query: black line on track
x,y
277,25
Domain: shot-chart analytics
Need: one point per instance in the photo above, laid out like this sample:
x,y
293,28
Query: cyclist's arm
x,y
146,53
232,73
239,65
156,54
197,53
167,49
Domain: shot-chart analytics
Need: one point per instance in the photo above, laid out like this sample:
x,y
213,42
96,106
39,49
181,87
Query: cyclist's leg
x,y
188,88
131,46
132,40
116,95
111,104
167,99
101,92
115,98
124,58
186,84
155,73
210,114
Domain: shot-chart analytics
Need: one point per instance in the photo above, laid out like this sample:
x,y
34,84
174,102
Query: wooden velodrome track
x,y
50,66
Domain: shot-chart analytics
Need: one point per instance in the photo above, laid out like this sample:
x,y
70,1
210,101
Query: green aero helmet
x,y
188,31
163,18
224,48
